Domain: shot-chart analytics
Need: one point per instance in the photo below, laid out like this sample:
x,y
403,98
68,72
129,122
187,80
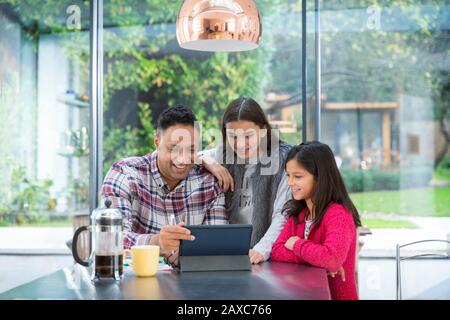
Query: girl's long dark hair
x,y
244,108
318,159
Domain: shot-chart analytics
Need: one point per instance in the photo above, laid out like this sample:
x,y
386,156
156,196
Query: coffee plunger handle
x,y
74,246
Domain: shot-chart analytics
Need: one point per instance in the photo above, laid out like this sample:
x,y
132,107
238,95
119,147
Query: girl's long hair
x,y
318,159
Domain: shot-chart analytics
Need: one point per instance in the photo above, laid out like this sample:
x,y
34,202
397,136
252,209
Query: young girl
x,y
249,164
321,229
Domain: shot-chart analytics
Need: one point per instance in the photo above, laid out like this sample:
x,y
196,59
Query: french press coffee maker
x,y
106,258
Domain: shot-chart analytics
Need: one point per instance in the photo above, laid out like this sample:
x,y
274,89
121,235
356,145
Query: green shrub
x,y
353,180
445,163
27,200
443,169
374,180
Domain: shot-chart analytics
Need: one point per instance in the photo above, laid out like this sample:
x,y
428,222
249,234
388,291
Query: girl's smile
x,y
300,180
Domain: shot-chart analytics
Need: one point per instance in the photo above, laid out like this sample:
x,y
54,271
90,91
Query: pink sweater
x,y
329,246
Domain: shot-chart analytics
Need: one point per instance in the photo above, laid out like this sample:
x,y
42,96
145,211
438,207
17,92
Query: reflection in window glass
x,y
371,136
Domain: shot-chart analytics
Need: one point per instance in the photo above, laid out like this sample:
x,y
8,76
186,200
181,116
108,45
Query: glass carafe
x,y
106,258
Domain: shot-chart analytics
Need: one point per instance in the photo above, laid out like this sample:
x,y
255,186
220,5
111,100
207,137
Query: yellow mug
x,y
145,260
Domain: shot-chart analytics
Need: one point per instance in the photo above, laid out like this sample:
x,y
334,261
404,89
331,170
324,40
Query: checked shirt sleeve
x,y
119,187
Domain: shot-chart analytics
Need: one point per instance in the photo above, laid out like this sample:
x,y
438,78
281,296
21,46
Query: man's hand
x,y
255,256
290,243
170,236
340,272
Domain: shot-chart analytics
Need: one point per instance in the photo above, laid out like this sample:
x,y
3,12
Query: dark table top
x,y
270,280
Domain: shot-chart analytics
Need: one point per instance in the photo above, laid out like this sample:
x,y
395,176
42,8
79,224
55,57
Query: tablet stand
x,y
215,263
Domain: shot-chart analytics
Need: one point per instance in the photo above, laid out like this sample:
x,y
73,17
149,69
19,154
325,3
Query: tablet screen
x,y
215,240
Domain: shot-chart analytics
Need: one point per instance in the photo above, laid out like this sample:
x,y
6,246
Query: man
x,y
160,192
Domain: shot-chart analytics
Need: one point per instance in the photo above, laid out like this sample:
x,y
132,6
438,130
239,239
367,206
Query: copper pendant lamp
x,y
219,25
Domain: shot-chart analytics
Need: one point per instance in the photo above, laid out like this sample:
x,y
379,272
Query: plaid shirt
x,y
136,188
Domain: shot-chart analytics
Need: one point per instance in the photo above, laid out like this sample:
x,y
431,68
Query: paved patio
x,y
382,242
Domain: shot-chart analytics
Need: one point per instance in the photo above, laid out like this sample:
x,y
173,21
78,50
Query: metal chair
x,y
399,259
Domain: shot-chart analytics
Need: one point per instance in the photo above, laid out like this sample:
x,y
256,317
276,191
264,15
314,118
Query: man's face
x,y
177,151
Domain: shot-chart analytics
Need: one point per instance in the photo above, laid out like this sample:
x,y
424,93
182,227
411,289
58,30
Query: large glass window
x,y
146,71
44,116
385,85
385,78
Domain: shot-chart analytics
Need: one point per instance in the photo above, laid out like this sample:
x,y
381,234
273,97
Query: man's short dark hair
x,y
175,115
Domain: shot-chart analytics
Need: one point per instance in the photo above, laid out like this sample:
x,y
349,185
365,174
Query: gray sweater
x,y
270,193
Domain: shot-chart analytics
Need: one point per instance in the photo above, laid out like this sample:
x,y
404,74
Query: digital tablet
x,y
218,240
